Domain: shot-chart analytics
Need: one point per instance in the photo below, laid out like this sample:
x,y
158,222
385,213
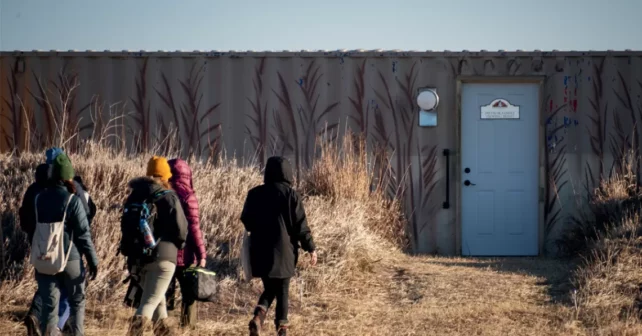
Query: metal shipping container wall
x,y
269,103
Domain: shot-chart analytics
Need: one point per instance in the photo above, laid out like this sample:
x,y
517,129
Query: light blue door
x,y
500,161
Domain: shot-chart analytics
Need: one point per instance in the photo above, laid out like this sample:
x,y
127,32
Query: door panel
x,y
485,213
486,131
500,208
512,212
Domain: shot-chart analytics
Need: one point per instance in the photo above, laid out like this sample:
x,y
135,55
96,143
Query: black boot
x,y
257,322
282,330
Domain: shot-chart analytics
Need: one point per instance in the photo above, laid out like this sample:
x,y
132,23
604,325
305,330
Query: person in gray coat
x,y
50,208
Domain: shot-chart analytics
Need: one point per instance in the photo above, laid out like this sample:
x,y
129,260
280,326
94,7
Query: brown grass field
x,y
364,284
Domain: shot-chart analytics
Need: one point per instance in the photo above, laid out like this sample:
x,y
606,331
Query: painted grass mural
x,y
255,106
192,120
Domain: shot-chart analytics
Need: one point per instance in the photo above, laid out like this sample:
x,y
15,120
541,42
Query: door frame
x,y
540,81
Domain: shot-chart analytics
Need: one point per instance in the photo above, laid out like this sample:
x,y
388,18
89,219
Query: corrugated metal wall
x,y
276,103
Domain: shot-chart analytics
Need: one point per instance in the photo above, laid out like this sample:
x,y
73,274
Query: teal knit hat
x,y
62,168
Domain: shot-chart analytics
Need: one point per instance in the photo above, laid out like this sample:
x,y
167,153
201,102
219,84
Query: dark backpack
x,y
132,243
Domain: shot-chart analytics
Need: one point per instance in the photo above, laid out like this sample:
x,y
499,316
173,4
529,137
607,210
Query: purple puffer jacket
x,y
181,182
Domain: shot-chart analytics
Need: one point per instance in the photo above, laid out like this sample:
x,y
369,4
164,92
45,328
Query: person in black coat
x,y
43,180
273,214
27,213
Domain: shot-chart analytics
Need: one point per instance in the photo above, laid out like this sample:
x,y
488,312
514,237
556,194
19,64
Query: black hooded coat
x,y
27,211
273,214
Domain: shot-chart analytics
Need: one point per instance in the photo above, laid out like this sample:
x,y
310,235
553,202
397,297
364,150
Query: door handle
x,y
446,203
468,183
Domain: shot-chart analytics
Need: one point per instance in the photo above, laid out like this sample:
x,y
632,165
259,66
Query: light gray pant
x,y
155,279
49,285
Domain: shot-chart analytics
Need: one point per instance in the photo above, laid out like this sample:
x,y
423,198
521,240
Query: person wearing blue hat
x,y
43,177
76,243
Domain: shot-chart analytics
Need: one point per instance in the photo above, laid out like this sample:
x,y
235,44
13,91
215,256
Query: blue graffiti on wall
x,y
557,128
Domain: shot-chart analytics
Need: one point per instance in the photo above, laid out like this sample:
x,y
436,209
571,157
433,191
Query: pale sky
x,y
320,24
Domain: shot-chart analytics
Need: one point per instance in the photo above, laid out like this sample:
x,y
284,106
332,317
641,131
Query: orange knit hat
x,y
158,167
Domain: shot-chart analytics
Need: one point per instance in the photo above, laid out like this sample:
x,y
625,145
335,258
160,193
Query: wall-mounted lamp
x,y
428,100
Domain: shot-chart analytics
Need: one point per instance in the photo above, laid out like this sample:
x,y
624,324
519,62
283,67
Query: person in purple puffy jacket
x,y
193,254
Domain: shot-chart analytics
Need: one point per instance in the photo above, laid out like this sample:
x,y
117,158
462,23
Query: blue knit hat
x,y
52,153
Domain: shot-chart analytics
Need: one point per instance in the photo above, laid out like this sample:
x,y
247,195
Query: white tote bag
x,y
48,255
245,257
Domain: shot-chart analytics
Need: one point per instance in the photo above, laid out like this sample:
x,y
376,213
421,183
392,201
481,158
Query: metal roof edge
x,y
305,53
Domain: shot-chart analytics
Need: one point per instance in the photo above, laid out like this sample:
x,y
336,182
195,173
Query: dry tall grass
x,y
609,241
354,224
364,284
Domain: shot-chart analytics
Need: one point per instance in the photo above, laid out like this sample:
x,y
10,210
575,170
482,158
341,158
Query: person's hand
x,y
202,263
93,272
313,258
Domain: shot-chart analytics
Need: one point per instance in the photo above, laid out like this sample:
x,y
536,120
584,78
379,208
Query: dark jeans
x,y
63,309
188,308
279,289
189,311
72,279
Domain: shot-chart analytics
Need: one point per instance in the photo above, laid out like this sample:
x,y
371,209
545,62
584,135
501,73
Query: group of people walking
x,y
161,239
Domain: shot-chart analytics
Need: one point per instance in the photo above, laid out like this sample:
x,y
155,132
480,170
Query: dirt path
x,y
445,296
481,297
415,296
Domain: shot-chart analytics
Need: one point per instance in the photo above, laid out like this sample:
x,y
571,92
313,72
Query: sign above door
x,y
500,109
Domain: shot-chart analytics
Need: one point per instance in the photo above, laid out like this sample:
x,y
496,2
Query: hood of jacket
x,y
44,174
181,174
143,187
278,170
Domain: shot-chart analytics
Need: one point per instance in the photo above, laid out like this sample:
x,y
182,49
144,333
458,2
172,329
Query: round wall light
x,y
428,99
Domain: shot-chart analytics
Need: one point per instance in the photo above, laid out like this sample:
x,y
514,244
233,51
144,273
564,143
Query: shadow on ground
x,y
554,274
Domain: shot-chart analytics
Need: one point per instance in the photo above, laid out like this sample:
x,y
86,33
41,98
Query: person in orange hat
x,y
153,228
158,168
